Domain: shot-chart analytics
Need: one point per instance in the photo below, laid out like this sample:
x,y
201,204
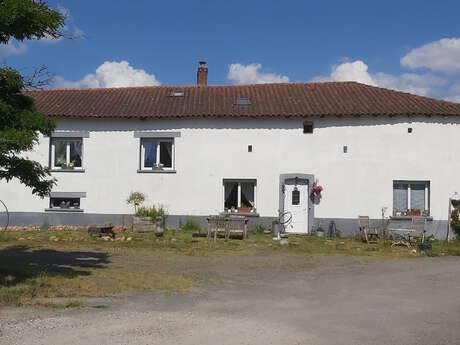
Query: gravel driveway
x,y
331,300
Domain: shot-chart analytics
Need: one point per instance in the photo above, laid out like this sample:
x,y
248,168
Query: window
x,y
64,203
177,94
411,198
295,197
308,127
240,195
66,153
243,101
157,154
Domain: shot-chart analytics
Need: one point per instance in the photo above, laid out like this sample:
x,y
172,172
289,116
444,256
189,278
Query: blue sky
x,y
407,45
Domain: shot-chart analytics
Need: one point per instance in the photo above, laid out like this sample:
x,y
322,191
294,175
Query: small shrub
x,y
455,222
135,199
190,225
151,212
260,228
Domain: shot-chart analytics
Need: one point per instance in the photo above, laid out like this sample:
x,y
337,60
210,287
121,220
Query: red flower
x,y
316,189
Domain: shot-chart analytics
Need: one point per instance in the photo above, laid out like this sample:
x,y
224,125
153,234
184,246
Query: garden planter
x,y
143,224
319,233
244,209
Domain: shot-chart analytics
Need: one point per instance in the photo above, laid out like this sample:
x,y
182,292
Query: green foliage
x,y
136,199
28,19
260,228
151,212
20,124
455,222
190,225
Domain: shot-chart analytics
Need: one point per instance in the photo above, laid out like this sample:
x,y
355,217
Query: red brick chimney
x,y
202,74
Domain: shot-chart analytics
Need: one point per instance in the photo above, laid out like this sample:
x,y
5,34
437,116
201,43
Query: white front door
x,y
296,202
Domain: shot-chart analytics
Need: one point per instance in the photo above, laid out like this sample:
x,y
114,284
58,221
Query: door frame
x,y
311,210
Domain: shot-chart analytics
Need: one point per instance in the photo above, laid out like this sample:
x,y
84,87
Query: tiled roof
x,y
286,100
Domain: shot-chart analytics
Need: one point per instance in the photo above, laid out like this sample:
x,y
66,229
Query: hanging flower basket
x,y
316,190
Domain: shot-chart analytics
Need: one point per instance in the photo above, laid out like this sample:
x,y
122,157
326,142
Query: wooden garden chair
x,y
237,225
368,234
217,225
418,230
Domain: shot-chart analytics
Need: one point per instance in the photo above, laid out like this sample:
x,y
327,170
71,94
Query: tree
x,y
20,124
136,199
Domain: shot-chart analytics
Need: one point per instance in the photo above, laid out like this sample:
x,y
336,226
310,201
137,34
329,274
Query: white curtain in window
x,y
75,152
417,197
400,196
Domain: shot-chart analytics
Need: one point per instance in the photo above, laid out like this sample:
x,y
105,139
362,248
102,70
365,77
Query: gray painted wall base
x,y
65,218
346,226
349,226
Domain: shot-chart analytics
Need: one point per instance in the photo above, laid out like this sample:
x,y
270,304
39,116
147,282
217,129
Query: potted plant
x,y
150,219
320,231
135,199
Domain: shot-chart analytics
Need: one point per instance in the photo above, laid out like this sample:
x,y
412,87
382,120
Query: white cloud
x,y
454,93
250,74
421,84
111,74
438,56
352,71
13,47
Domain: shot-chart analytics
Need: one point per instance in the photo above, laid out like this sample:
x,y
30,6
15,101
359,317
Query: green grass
x,y
38,267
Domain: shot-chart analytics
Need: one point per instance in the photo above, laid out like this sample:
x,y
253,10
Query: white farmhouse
x,y
250,149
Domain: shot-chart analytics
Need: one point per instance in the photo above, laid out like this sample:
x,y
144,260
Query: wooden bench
x,y
410,236
227,226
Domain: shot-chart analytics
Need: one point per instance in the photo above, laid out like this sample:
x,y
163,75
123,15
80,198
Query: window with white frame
x,y
66,153
157,154
411,198
240,195
65,203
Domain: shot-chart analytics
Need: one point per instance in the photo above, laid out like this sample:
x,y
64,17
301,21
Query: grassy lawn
x,y
59,268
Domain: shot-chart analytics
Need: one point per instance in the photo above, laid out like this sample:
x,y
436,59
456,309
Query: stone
x,y
129,239
284,242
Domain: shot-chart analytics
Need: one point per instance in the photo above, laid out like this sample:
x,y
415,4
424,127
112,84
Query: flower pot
x,y
143,224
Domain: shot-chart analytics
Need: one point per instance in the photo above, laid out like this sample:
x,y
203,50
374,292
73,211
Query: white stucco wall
x,y
359,182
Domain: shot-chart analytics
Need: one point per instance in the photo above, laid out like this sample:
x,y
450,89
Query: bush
x,y
455,222
190,225
151,212
136,199
260,228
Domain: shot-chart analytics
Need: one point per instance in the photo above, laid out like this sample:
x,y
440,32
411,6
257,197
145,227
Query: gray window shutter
x,y
400,196
417,197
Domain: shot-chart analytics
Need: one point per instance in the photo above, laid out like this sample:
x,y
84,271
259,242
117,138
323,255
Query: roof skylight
x,y
177,94
243,101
